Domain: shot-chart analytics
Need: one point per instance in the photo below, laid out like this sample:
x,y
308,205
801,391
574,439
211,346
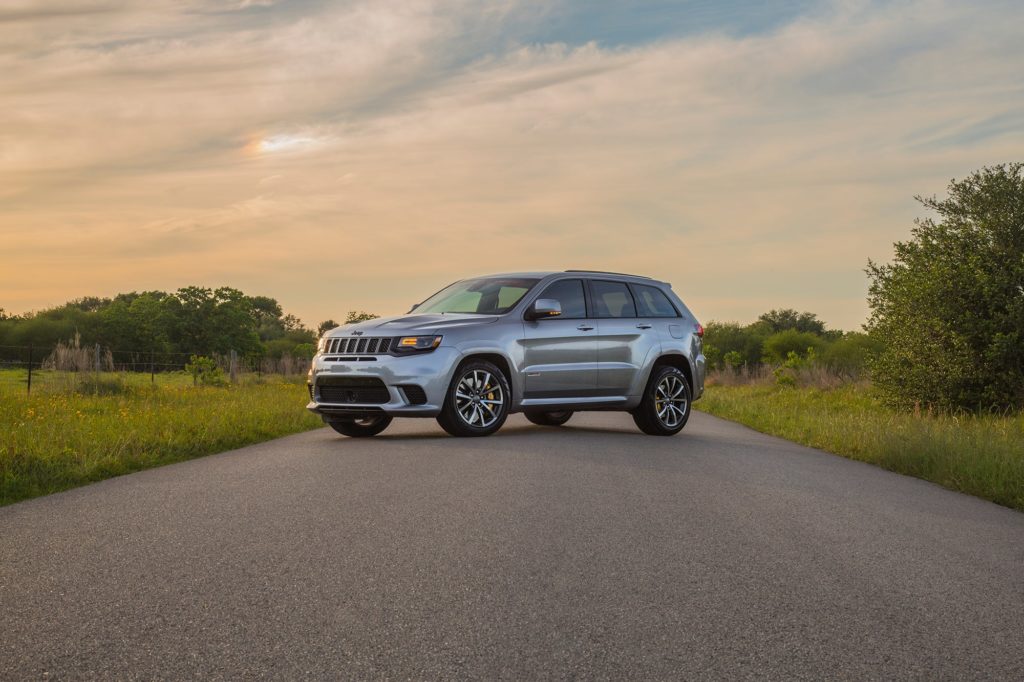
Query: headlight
x,y
409,344
321,344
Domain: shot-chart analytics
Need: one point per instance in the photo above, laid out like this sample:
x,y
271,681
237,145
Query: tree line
x,y
191,320
780,335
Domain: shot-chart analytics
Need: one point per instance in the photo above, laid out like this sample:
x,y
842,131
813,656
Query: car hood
x,y
412,324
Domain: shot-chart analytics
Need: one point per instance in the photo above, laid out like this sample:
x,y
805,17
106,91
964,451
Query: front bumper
x,y
431,371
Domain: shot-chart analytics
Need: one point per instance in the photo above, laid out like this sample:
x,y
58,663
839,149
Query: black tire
x,y
362,427
556,418
665,407
471,409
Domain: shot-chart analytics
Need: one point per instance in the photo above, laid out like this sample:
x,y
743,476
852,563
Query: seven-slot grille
x,y
359,345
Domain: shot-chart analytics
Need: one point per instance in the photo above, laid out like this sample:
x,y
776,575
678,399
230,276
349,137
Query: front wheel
x,y
548,418
477,402
665,407
363,427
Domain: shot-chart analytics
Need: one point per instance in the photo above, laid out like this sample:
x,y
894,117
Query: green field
x,y
74,430
978,455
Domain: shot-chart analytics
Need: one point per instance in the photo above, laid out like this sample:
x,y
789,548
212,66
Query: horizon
x,y
362,155
313,324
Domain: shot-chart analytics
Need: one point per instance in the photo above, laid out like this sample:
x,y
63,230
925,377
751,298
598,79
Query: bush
x,y
729,342
949,310
849,356
205,371
733,360
306,351
779,347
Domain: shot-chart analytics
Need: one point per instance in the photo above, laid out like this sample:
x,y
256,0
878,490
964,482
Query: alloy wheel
x,y
670,401
479,398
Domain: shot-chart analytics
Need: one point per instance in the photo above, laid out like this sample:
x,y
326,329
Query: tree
x,y
292,323
776,321
217,320
359,316
266,307
949,310
192,320
325,326
730,339
88,304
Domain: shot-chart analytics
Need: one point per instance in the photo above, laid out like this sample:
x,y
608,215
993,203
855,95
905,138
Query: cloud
x,y
410,143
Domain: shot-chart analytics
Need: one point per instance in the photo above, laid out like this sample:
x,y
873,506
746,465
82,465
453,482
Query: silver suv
x,y
542,343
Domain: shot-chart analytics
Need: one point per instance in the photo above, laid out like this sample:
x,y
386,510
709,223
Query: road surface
x,y
589,551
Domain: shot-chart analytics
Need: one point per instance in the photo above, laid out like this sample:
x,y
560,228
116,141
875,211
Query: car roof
x,y
549,273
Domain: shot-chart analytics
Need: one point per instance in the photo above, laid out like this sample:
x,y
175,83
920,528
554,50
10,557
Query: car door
x,y
624,341
560,353
653,307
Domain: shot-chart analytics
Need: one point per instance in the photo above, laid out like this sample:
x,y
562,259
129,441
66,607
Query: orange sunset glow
x,y
360,155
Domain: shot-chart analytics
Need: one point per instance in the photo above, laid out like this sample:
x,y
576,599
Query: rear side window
x,y
612,299
569,294
652,302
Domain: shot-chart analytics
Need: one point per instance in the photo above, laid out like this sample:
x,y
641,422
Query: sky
x,y
361,155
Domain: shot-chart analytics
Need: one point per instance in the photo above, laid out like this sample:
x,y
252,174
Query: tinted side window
x,y
612,299
652,302
569,294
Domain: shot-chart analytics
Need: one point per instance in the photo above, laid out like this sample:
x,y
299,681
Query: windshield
x,y
488,296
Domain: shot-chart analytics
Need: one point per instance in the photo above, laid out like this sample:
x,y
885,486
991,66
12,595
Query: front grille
x,y
415,394
352,391
359,345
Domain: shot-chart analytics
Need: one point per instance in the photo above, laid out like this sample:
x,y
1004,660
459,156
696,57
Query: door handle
x,y
643,326
584,327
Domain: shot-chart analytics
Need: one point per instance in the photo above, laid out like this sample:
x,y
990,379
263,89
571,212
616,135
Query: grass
x,y
75,430
981,455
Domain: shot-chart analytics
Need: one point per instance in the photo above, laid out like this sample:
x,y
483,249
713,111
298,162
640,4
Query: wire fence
x,y
34,365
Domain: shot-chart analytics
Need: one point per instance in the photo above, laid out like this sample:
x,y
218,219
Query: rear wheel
x,y
477,402
362,427
665,407
556,418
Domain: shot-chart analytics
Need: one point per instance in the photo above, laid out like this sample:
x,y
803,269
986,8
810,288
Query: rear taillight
x,y
699,331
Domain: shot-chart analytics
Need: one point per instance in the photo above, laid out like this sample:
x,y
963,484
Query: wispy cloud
x,y
227,142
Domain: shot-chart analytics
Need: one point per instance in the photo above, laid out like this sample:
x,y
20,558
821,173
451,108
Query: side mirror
x,y
544,308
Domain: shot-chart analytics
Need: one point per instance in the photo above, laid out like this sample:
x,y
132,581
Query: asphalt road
x,y
589,551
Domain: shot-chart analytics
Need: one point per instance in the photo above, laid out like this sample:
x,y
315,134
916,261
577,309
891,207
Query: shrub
x,y
733,360
849,356
779,347
949,309
205,371
730,339
305,351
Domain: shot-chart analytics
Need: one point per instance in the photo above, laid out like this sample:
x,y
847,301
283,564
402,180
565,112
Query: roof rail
x,y
608,272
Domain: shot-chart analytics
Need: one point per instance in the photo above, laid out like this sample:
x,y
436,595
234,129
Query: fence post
x,y
29,369
233,366
152,367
